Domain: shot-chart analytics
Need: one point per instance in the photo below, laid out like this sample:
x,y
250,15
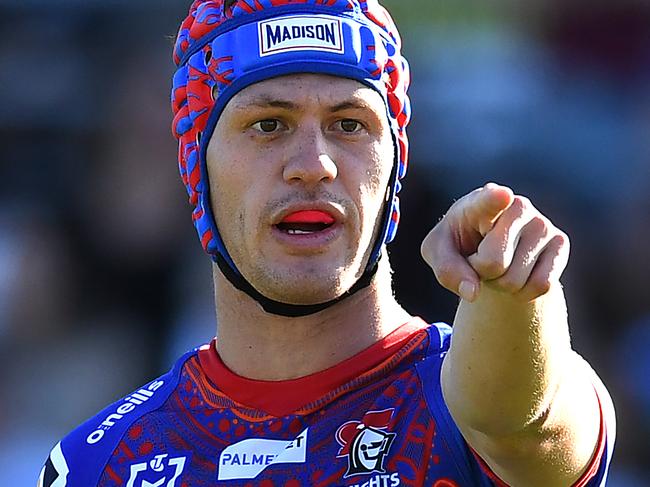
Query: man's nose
x,y
310,160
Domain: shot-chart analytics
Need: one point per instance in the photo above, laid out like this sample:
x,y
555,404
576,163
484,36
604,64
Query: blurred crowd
x,y
103,282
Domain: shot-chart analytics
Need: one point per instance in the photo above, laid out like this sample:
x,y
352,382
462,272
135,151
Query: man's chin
x,y
299,284
310,289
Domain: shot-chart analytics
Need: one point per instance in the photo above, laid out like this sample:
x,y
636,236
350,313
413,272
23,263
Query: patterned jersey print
x,y
386,427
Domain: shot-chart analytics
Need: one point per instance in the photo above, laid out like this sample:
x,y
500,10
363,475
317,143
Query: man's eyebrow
x,y
267,102
351,104
264,101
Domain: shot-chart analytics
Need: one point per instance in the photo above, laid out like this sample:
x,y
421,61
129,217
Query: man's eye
x,y
349,126
267,126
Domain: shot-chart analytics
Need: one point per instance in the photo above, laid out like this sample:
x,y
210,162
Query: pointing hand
x,y
495,237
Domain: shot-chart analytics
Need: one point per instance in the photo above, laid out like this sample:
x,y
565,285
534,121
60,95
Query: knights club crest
x,y
366,443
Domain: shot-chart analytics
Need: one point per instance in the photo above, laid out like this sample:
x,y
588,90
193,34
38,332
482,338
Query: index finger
x,y
485,205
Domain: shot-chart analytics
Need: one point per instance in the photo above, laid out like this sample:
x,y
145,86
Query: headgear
x,y
224,46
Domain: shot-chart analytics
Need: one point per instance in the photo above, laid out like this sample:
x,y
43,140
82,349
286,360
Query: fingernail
x,y
467,291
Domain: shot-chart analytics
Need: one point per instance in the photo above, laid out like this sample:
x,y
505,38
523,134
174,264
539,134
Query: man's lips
x,y
309,216
309,222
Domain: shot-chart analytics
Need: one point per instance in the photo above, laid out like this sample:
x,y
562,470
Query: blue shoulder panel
x,y
79,459
429,373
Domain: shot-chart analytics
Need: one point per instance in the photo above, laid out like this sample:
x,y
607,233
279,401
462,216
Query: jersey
x,y
377,419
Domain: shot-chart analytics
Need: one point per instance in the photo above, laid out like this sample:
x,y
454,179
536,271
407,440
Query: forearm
x,y
507,360
522,398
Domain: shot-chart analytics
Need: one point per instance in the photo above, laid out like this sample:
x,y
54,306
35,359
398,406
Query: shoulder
x,y
439,338
79,458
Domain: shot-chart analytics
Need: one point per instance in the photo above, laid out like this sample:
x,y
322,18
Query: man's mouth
x,y
306,222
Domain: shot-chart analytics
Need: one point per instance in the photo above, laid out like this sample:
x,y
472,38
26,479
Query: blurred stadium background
x,y
102,280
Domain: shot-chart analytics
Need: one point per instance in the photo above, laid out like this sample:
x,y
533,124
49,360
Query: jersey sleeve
x,y
78,460
477,472
447,430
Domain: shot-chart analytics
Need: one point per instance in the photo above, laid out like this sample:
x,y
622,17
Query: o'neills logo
x,y
300,33
131,402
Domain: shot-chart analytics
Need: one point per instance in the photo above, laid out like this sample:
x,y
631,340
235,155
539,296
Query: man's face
x,y
298,169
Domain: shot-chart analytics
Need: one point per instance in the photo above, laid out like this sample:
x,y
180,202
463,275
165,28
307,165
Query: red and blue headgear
x,y
224,46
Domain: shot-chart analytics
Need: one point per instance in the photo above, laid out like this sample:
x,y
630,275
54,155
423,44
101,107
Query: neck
x,y
263,346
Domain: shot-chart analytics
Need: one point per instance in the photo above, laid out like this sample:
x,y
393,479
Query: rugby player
x,y
291,119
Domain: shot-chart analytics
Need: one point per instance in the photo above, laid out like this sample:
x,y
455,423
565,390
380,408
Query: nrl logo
x,y
159,472
366,443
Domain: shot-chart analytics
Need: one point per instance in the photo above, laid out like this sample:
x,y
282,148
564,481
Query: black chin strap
x,y
285,309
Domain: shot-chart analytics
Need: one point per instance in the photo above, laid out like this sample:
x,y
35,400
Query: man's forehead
x,y
294,90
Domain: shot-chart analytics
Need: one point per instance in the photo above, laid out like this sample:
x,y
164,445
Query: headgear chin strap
x,y
221,51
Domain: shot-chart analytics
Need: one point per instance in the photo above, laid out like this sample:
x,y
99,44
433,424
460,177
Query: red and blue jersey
x,y
377,419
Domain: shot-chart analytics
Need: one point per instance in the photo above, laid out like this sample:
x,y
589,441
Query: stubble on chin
x,y
310,285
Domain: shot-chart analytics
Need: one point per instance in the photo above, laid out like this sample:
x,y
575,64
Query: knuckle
x,y
522,203
518,207
539,224
539,229
562,239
